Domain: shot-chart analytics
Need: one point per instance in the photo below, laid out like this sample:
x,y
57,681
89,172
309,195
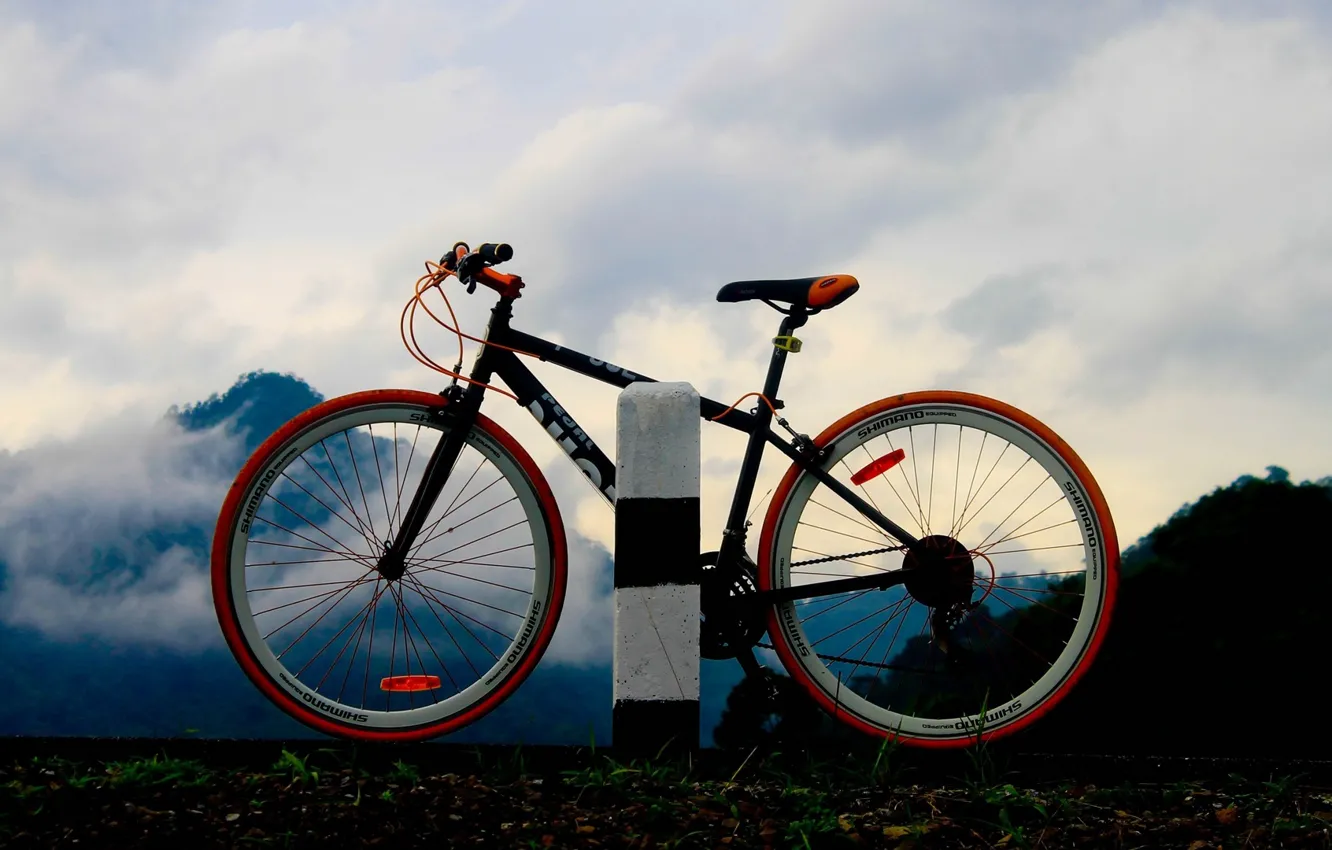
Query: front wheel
x,y
334,643
1014,571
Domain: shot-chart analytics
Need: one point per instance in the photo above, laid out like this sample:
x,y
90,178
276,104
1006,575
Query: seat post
x,y
795,319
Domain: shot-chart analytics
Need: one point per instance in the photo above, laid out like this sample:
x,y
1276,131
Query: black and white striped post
x,y
657,570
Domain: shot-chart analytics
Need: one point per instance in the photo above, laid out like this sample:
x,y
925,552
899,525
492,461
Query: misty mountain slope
x,y
106,620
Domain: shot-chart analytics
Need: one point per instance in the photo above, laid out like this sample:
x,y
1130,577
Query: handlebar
x,y
473,267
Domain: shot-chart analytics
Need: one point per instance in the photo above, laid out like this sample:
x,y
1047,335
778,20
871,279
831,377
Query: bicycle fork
x,y
458,415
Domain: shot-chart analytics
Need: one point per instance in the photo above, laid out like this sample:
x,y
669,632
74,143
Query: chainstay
x,y
859,663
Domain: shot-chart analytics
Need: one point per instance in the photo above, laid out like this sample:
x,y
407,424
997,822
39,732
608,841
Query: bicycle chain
x,y
849,556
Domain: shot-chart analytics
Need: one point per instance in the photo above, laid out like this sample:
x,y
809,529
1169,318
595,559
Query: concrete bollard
x,y
657,570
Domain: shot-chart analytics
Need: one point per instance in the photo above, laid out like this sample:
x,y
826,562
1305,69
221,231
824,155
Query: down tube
x,y
533,396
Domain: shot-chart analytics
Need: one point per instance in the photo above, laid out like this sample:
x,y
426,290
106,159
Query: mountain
x,y
81,685
1217,633
1216,645
1218,642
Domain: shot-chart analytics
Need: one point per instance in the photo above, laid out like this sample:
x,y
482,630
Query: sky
x,y
1116,216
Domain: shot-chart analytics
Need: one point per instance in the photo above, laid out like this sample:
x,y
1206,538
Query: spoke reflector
x,y
409,683
880,466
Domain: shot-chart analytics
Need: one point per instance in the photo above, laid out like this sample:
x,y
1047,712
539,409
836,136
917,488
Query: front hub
x,y
391,566
943,574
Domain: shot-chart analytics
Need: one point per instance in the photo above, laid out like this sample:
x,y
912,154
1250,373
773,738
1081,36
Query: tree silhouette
x,y
1216,646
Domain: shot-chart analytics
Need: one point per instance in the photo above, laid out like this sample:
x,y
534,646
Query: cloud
x,y
1005,308
108,536
1115,217
104,535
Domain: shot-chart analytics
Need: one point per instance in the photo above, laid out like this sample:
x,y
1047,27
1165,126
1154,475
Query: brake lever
x,y
467,267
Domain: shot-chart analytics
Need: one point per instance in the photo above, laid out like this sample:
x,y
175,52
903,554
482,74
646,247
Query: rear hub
x,y
942,572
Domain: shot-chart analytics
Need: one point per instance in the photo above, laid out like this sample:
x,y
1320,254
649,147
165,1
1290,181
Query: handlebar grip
x,y
495,252
456,253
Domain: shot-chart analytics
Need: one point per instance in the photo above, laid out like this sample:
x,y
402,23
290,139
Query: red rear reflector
x,y
409,683
880,466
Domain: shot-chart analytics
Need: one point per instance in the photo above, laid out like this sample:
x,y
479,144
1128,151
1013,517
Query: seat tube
x,y
733,538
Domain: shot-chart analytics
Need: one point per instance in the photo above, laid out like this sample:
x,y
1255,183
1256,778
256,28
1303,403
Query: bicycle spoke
x,y
1037,549
957,471
859,522
442,571
329,643
850,598
402,483
974,469
899,608
472,559
1019,595
1001,522
379,471
915,516
897,631
479,539
351,630
324,595
345,593
857,622
915,471
300,516
992,496
428,536
365,620
360,486
295,586
919,514
934,449
496,608
356,528
841,533
449,632
860,661
347,501
458,617
419,660
302,561
1014,536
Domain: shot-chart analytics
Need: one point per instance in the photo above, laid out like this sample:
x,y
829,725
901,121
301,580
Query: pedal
x,y
755,670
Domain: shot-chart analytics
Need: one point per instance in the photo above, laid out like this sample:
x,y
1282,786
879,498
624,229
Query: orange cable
x,y
436,275
433,278
737,404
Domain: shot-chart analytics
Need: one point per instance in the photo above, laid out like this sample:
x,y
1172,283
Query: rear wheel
x,y
1014,572
331,641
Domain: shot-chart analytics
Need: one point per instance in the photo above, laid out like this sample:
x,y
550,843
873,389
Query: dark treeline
x,y
1218,643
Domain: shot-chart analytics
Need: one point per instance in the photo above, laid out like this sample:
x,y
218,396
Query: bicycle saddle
x,y
812,293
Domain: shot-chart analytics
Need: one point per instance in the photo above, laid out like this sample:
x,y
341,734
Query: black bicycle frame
x,y
600,469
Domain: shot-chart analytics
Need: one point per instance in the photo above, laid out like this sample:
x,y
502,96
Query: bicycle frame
x,y
600,469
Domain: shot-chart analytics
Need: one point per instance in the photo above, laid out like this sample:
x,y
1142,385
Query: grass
x,y
744,799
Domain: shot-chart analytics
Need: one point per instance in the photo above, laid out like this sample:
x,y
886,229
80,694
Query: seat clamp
x,y
787,343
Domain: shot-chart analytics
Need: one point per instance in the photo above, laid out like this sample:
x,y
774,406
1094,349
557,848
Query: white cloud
x,y
74,516
1113,216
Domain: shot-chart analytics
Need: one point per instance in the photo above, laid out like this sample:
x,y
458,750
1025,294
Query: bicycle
x,y
483,554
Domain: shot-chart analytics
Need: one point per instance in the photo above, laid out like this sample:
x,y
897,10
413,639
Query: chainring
x,y
727,628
